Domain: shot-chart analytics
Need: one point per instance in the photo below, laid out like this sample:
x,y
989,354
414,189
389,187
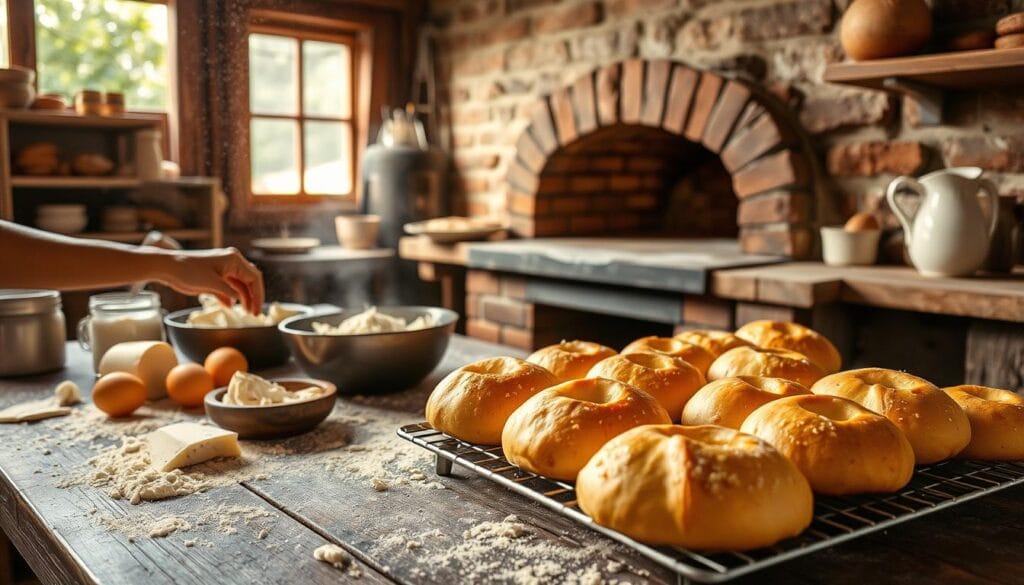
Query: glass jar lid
x,y
124,302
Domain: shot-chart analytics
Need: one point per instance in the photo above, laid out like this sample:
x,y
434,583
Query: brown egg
x,y
223,362
862,221
118,394
187,384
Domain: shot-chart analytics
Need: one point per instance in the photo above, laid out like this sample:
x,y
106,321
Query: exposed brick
x,y
504,31
849,108
478,63
607,163
524,226
782,206
995,153
463,139
605,45
723,118
587,184
792,241
752,142
482,330
552,184
550,226
570,204
583,104
781,169
517,5
523,203
621,8
655,91
632,90
562,19
522,178
534,55
680,96
566,164
624,221
472,306
507,311
476,160
482,282
869,158
529,153
474,11
587,224
607,202
470,115
703,102
624,183
608,94
642,201
519,338
564,116
513,287
542,128
647,164
778,20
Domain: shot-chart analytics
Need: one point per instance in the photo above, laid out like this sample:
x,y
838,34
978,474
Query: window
x,y
109,45
301,123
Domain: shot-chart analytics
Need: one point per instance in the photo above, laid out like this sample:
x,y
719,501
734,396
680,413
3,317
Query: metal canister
x,y
32,334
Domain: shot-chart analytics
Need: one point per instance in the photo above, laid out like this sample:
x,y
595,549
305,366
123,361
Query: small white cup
x,y
842,248
357,232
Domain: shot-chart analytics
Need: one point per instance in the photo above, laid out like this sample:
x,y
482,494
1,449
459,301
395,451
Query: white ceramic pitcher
x,y
949,235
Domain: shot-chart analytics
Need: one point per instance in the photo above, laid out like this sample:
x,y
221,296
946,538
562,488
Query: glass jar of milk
x,y
120,316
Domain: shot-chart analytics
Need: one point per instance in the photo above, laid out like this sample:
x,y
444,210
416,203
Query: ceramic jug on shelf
x,y
950,234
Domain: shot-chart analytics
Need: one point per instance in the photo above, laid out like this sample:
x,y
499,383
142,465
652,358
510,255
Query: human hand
x,y
222,272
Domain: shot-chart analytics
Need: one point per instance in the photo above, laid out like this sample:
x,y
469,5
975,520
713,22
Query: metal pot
x,y
32,334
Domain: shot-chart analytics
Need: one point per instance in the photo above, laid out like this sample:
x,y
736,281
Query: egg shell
x,y
119,394
223,362
187,384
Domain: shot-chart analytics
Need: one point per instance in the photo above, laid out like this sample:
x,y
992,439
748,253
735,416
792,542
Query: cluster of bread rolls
x,y
716,440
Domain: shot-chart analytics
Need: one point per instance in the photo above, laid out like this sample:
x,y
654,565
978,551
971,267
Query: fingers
x,y
247,280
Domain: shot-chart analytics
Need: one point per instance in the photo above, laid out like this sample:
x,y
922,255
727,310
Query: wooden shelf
x,y
184,235
962,70
69,119
75,182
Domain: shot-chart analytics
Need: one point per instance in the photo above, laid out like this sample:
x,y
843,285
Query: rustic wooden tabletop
x,y
354,483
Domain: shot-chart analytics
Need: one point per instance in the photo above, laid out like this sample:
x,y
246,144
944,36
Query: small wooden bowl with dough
x,y
274,420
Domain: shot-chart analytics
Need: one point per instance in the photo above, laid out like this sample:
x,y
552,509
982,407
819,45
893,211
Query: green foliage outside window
x,y
108,45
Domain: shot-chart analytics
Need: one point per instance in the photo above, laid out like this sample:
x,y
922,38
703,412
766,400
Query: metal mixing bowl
x,y
370,363
262,346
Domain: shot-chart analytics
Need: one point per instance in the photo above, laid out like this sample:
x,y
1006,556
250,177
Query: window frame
x,y
304,198
21,50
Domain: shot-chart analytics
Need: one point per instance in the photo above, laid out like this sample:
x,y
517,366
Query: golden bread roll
x,y
473,402
558,430
716,342
935,425
696,355
727,401
703,487
997,422
671,381
840,446
570,360
769,363
794,337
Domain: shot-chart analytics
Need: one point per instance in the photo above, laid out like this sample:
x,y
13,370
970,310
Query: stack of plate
x,y
16,89
120,218
62,219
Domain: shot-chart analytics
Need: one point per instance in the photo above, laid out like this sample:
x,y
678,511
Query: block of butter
x,y
183,444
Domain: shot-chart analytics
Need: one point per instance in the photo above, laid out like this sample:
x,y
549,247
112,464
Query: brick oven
x,y
660,148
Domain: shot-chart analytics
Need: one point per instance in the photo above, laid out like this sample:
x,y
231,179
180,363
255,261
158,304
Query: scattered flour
x,y
336,556
168,525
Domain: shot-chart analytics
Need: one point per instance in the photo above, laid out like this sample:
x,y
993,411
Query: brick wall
x,y
497,57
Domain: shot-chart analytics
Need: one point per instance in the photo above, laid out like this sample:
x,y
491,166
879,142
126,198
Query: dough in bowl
x,y
557,431
704,487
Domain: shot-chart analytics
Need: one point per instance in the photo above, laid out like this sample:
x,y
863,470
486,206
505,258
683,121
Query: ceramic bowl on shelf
x,y
69,223
357,232
285,245
16,96
15,74
840,247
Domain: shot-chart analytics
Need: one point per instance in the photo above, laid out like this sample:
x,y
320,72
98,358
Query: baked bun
x,y
794,337
570,360
698,357
840,446
473,402
671,381
558,430
935,425
716,342
727,402
703,487
769,363
997,422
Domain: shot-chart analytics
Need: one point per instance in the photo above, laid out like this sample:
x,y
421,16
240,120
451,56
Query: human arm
x,y
31,258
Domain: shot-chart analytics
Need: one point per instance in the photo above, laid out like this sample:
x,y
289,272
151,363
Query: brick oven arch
x,y
762,147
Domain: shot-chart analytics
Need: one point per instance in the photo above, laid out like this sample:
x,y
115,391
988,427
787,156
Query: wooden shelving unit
x,y
924,78
75,182
198,201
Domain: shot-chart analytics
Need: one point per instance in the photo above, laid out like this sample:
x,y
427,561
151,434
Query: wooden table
x,y
319,491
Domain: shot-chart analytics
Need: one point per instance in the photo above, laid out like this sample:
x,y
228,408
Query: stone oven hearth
x,y
644,147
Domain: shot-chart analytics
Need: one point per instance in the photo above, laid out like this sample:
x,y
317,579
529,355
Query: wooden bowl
x,y
274,421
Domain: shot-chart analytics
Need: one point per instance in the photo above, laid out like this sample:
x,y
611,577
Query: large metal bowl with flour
x,y
370,363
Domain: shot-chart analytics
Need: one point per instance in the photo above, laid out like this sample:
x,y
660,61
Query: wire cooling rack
x,y
836,519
